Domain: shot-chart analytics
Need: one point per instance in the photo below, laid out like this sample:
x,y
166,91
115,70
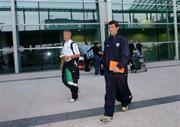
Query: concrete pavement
x,y
40,99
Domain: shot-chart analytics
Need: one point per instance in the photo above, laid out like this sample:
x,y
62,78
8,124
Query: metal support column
x,y
176,31
102,20
14,34
105,15
109,10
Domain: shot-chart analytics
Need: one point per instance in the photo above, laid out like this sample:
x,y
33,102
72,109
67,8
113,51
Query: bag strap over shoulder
x,y
72,47
77,59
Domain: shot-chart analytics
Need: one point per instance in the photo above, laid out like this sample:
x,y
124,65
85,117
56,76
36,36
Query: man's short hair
x,y
114,22
95,43
68,31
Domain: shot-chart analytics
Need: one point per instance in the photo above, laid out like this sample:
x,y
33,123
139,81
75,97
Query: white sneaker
x,y
124,109
106,118
72,100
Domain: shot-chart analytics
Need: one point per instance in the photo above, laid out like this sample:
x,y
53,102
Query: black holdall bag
x,y
125,97
119,97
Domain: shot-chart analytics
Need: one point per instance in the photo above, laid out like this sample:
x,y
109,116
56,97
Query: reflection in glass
x,y
38,60
6,50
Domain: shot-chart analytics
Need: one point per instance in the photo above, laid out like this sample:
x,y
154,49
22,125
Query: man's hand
x,y
61,67
66,58
62,64
116,70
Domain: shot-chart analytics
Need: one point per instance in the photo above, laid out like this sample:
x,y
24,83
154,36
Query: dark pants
x,y
75,75
96,64
86,62
116,87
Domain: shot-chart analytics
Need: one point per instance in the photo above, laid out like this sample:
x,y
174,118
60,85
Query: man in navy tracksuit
x,y
115,49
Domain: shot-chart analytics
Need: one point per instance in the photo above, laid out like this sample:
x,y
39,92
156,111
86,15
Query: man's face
x,y
113,29
67,36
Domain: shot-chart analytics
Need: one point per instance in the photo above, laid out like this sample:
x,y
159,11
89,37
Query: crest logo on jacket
x,y
117,44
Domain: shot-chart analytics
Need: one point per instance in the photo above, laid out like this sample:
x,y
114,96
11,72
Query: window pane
x,y
5,13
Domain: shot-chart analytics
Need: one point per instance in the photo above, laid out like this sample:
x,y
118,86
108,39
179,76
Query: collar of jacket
x,y
115,36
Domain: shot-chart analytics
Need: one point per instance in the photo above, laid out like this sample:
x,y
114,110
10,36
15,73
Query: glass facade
x,y
40,26
150,22
6,41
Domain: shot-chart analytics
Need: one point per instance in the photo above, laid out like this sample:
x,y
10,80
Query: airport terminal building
x,y
31,30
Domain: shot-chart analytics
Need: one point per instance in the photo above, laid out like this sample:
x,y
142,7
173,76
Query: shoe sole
x,y
106,120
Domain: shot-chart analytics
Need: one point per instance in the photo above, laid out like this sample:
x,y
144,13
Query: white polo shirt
x,y
67,48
